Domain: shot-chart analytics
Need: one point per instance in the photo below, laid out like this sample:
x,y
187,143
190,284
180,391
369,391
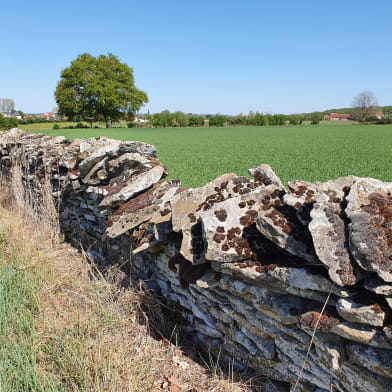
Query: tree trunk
x,y
109,123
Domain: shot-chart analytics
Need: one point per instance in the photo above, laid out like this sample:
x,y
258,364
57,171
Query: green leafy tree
x,y
98,88
387,111
316,117
240,119
275,119
196,121
163,119
295,119
259,119
7,123
217,120
180,119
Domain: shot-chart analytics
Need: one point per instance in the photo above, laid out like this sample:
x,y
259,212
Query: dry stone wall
x,y
251,262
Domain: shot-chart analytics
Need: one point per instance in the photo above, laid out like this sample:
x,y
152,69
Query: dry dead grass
x,y
90,333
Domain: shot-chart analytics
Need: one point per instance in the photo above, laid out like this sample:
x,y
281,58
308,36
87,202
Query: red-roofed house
x,y
337,116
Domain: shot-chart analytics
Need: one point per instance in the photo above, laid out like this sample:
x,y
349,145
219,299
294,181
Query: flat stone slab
x,y
188,205
266,175
357,313
149,206
136,184
281,279
320,208
378,286
363,334
279,222
369,208
223,229
378,361
328,230
91,154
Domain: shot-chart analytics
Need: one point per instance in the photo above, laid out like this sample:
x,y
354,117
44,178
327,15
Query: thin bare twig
x,y
311,340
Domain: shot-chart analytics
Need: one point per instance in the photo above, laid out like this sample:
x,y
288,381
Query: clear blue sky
x,y
216,56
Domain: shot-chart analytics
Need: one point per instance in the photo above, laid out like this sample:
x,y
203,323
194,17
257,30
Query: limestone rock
x,y
11,136
388,333
283,308
123,192
357,313
127,162
281,279
320,207
138,147
279,222
378,361
378,286
223,229
96,173
142,208
266,175
328,231
358,379
188,204
302,195
363,334
96,152
370,210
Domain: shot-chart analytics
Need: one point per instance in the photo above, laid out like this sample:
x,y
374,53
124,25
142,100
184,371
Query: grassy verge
x,y
19,288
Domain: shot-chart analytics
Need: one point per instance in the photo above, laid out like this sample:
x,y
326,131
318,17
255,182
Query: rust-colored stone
x,y
325,322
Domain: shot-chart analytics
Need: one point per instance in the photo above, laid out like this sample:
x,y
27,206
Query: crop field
x,y
312,153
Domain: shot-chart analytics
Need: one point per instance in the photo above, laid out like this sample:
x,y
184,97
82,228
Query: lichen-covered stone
x,y
278,222
95,152
149,206
188,204
266,175
369,208
122,192
357,313
224,238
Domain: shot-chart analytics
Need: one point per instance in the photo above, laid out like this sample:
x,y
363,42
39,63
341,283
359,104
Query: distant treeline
x,y
7,122
180,119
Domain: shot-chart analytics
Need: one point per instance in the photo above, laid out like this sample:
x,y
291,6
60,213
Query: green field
x,y
313,153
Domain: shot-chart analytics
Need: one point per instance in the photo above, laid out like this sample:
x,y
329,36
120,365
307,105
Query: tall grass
x,y
19,289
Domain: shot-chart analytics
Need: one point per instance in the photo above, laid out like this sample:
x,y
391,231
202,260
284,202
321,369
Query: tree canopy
x,y
98,88
365,105
7,105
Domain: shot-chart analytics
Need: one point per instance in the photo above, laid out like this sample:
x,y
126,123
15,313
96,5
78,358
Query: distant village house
x,y
139,120
11,115
48,115
337,116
